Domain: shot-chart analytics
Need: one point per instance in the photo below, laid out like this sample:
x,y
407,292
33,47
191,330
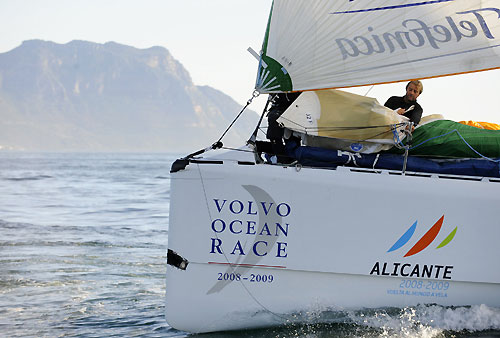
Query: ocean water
x,y
83,240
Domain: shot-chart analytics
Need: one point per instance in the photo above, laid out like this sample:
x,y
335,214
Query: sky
x,y
210,38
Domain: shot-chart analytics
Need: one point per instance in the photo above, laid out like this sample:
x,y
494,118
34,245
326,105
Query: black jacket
x,y
414,115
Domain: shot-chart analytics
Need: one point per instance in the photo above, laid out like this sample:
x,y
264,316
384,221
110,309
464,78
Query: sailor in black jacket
x,y
407,104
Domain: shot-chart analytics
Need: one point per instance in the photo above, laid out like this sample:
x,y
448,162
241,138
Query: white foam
x,y
474,318
427,321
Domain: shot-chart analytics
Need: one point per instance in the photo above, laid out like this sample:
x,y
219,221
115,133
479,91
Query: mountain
x,y
84,96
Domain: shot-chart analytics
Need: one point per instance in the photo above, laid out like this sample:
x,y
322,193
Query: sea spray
x,y
428,320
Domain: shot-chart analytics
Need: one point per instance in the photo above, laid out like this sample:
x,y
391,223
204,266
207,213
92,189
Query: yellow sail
x,y
482,125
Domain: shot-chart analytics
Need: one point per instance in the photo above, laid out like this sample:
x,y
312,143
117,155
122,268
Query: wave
x,y
430,320
28,178
422,321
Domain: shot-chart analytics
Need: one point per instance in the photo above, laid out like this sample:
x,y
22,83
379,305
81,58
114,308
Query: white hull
x,y
329,250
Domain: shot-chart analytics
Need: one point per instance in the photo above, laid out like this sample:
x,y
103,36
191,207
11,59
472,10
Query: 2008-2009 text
x,y
252,278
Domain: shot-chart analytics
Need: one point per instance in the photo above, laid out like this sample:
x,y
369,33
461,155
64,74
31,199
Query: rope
x,y
303,129
338,128
397,141
376,160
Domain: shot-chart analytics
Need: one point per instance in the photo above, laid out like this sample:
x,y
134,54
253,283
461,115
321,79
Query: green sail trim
x,y
274,78
266,36
448,239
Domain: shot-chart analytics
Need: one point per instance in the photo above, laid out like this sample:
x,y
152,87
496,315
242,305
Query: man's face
x,y
412,92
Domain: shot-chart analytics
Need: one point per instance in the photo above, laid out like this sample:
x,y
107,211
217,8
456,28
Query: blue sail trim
x,y
392,7
413,61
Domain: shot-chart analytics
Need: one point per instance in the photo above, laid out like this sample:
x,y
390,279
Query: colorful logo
x,y
426,239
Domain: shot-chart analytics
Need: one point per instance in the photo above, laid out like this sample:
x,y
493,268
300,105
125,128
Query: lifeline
x,y
413,271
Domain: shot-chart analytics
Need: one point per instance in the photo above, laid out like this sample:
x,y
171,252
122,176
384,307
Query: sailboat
x,y
258,239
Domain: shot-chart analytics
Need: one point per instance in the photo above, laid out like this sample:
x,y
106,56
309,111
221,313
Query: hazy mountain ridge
x,y
84,96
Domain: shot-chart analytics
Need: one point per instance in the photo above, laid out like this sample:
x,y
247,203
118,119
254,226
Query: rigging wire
x,y
253,138
369,90
219,144
254,95
238,149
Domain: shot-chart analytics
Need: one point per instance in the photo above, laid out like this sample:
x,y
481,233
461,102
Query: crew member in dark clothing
x,y
407,104
275,133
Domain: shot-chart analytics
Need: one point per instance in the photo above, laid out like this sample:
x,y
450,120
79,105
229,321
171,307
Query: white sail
x,y
320,44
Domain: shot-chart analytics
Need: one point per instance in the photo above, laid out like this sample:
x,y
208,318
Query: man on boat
x,y
407,105
275,133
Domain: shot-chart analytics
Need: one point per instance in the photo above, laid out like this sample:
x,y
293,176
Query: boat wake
x,y
423,321
429,320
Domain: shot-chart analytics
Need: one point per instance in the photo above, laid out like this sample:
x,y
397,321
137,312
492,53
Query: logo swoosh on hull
x,y
405,238
426,239
448,239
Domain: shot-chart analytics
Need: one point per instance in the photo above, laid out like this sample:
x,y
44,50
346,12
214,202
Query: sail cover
x,y
341,120
318,44
339,114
